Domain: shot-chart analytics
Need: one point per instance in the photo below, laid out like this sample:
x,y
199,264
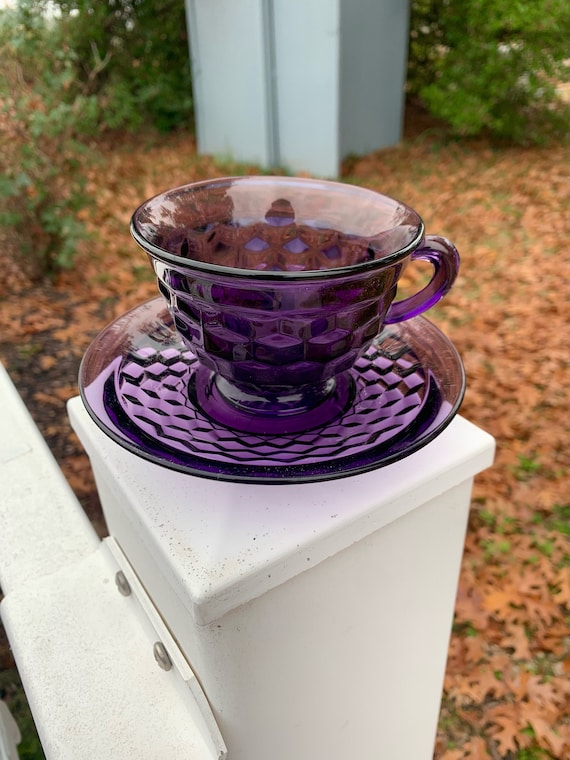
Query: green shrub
x,y
43,157
492,65
70,70
133,55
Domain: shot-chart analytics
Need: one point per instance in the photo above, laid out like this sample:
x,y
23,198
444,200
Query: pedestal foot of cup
x,y
282,411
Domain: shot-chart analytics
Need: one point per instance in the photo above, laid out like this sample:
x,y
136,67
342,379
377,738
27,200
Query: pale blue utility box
x,y
298,84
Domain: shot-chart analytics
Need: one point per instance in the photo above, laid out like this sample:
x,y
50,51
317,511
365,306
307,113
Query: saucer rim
x,y
286,473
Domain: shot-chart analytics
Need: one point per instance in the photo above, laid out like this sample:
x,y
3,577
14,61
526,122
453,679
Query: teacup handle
x,y
440,252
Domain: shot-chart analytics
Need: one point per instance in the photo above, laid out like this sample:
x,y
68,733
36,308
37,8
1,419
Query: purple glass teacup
x,y
279,284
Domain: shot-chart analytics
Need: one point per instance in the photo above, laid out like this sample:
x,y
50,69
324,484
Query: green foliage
x,y
12,692
42,186
492,65
561,518
533,753
132,55
526,467
72,68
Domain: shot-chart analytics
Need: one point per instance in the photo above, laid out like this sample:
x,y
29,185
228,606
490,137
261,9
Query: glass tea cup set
x,y
277,351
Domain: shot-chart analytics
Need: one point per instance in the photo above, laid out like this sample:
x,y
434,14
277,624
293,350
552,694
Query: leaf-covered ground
x,y
507,687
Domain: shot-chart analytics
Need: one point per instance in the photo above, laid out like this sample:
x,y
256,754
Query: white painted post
x,y
296,621
84,647
317,616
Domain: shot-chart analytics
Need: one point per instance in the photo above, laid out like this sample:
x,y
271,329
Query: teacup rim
x,y
175,259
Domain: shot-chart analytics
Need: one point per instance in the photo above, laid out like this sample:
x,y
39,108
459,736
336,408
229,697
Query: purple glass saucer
x,y
146,389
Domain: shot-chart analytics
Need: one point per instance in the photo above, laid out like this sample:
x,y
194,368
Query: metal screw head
x,y
161,655
122,583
